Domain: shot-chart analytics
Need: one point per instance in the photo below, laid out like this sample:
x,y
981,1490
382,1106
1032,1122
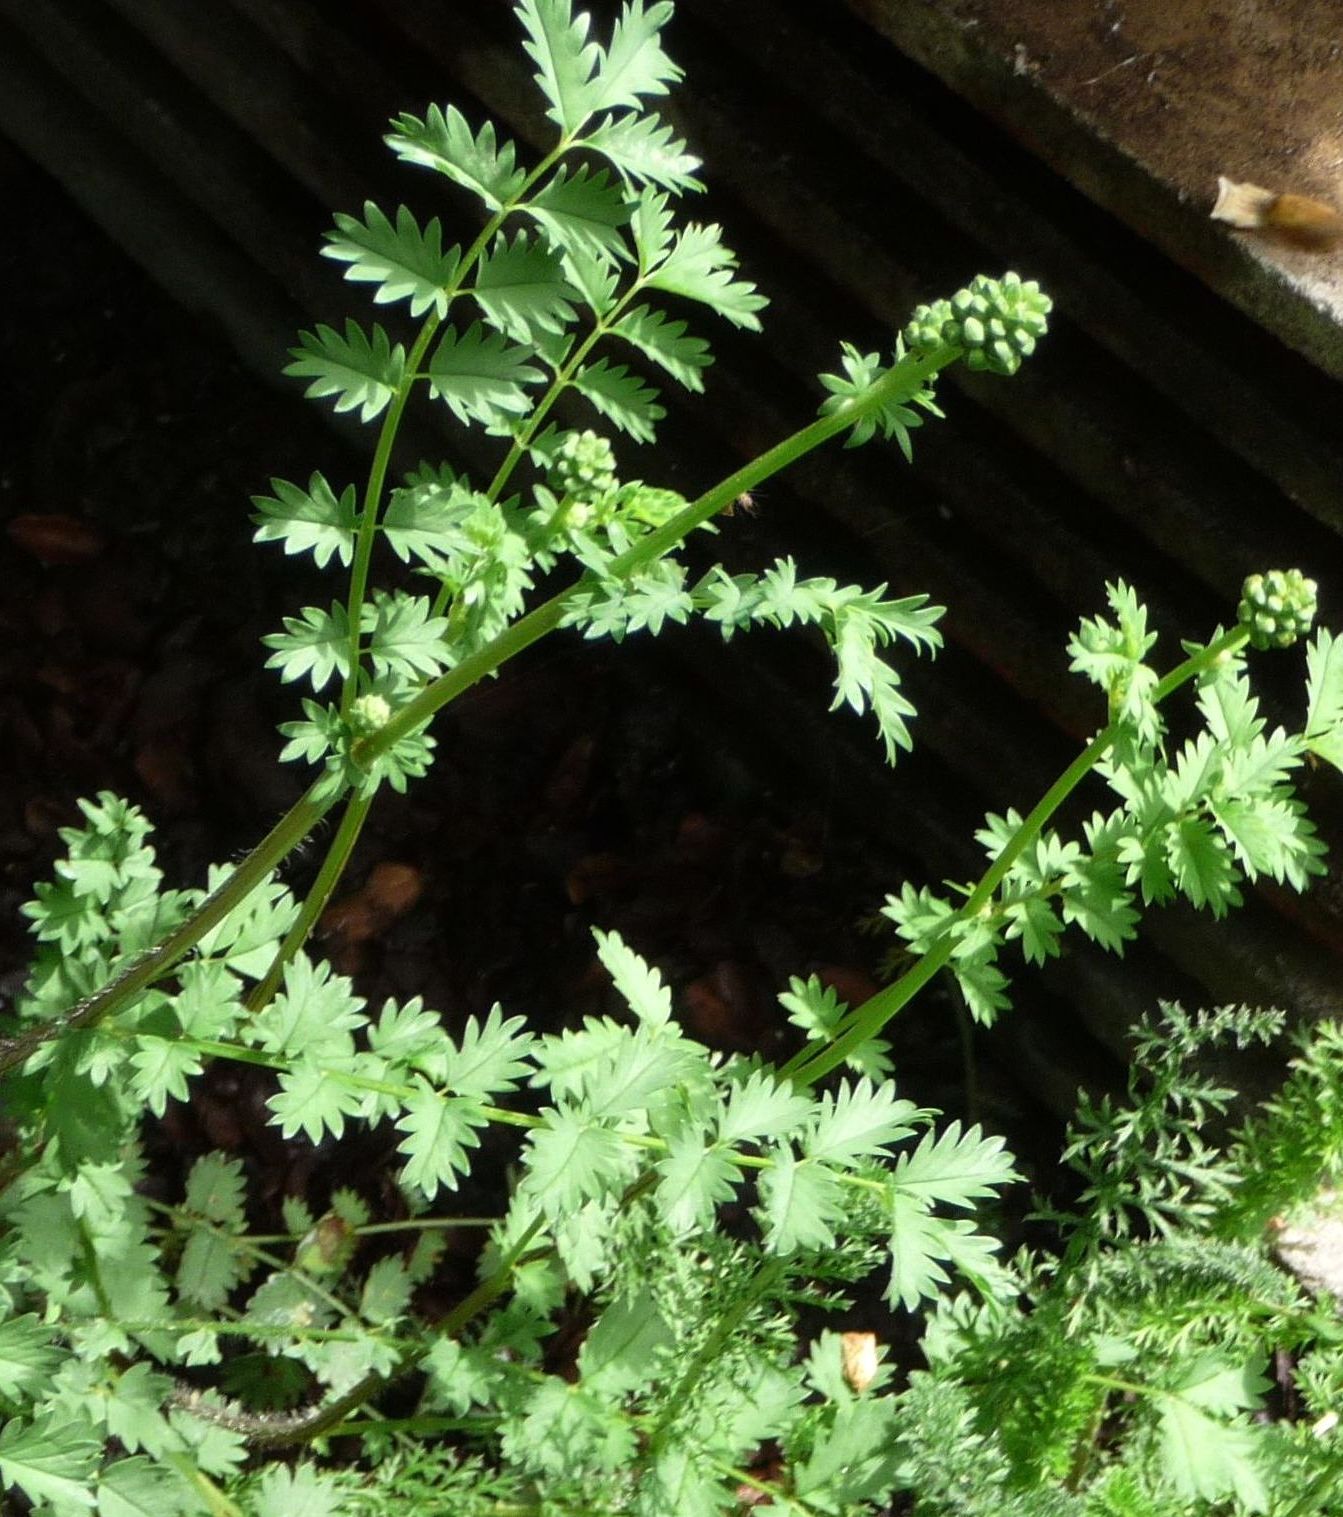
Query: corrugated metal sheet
x,y
1159,435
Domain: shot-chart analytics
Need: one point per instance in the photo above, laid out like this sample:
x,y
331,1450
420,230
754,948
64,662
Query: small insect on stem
x,y
745,503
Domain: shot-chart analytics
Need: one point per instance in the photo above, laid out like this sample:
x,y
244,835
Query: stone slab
x,y
1142,104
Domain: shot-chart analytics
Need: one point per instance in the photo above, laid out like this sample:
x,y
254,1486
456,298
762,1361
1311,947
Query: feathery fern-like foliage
x,y
672,1223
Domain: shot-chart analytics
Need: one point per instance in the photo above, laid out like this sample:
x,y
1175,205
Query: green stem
x,y
778,1496
368,520
333,866
391,423
282,839
539,412
563,377
819,1058
494,1285
216,1502
901,381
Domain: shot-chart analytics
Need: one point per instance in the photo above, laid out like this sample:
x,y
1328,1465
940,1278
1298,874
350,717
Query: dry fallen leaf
x,y
53,539
1292,219
858,1357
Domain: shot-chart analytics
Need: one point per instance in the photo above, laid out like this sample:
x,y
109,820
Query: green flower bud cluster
x,y
923,330
995,322
1277,607
583,469
369,714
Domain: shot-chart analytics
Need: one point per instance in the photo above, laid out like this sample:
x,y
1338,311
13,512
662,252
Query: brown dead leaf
x,y
55,539
390,891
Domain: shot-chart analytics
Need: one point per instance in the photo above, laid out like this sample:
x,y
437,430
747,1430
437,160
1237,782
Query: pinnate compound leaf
x,y
954,1167
646,150
801,1200
314,520
621,397
1210,1460
522,290
140,1487
693,1181
444,141
583,212
27,1355
300,1491
438,1131
665,342
50,1461
699,267
1324,697
360,370
481,375
637,981
314,645
762,1107
405,262
492,1056
573,1159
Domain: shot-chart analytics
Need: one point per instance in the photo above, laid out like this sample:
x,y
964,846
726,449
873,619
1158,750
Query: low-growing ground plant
x,y
670,1216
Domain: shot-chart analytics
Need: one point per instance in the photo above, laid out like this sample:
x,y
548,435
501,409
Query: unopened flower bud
x,y
1277,607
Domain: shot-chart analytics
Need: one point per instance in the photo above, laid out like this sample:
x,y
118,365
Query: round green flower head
x,y
995,322
583,468
1277,607
369,714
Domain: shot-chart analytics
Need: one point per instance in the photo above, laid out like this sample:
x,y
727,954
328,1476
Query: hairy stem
x,y
819,1057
